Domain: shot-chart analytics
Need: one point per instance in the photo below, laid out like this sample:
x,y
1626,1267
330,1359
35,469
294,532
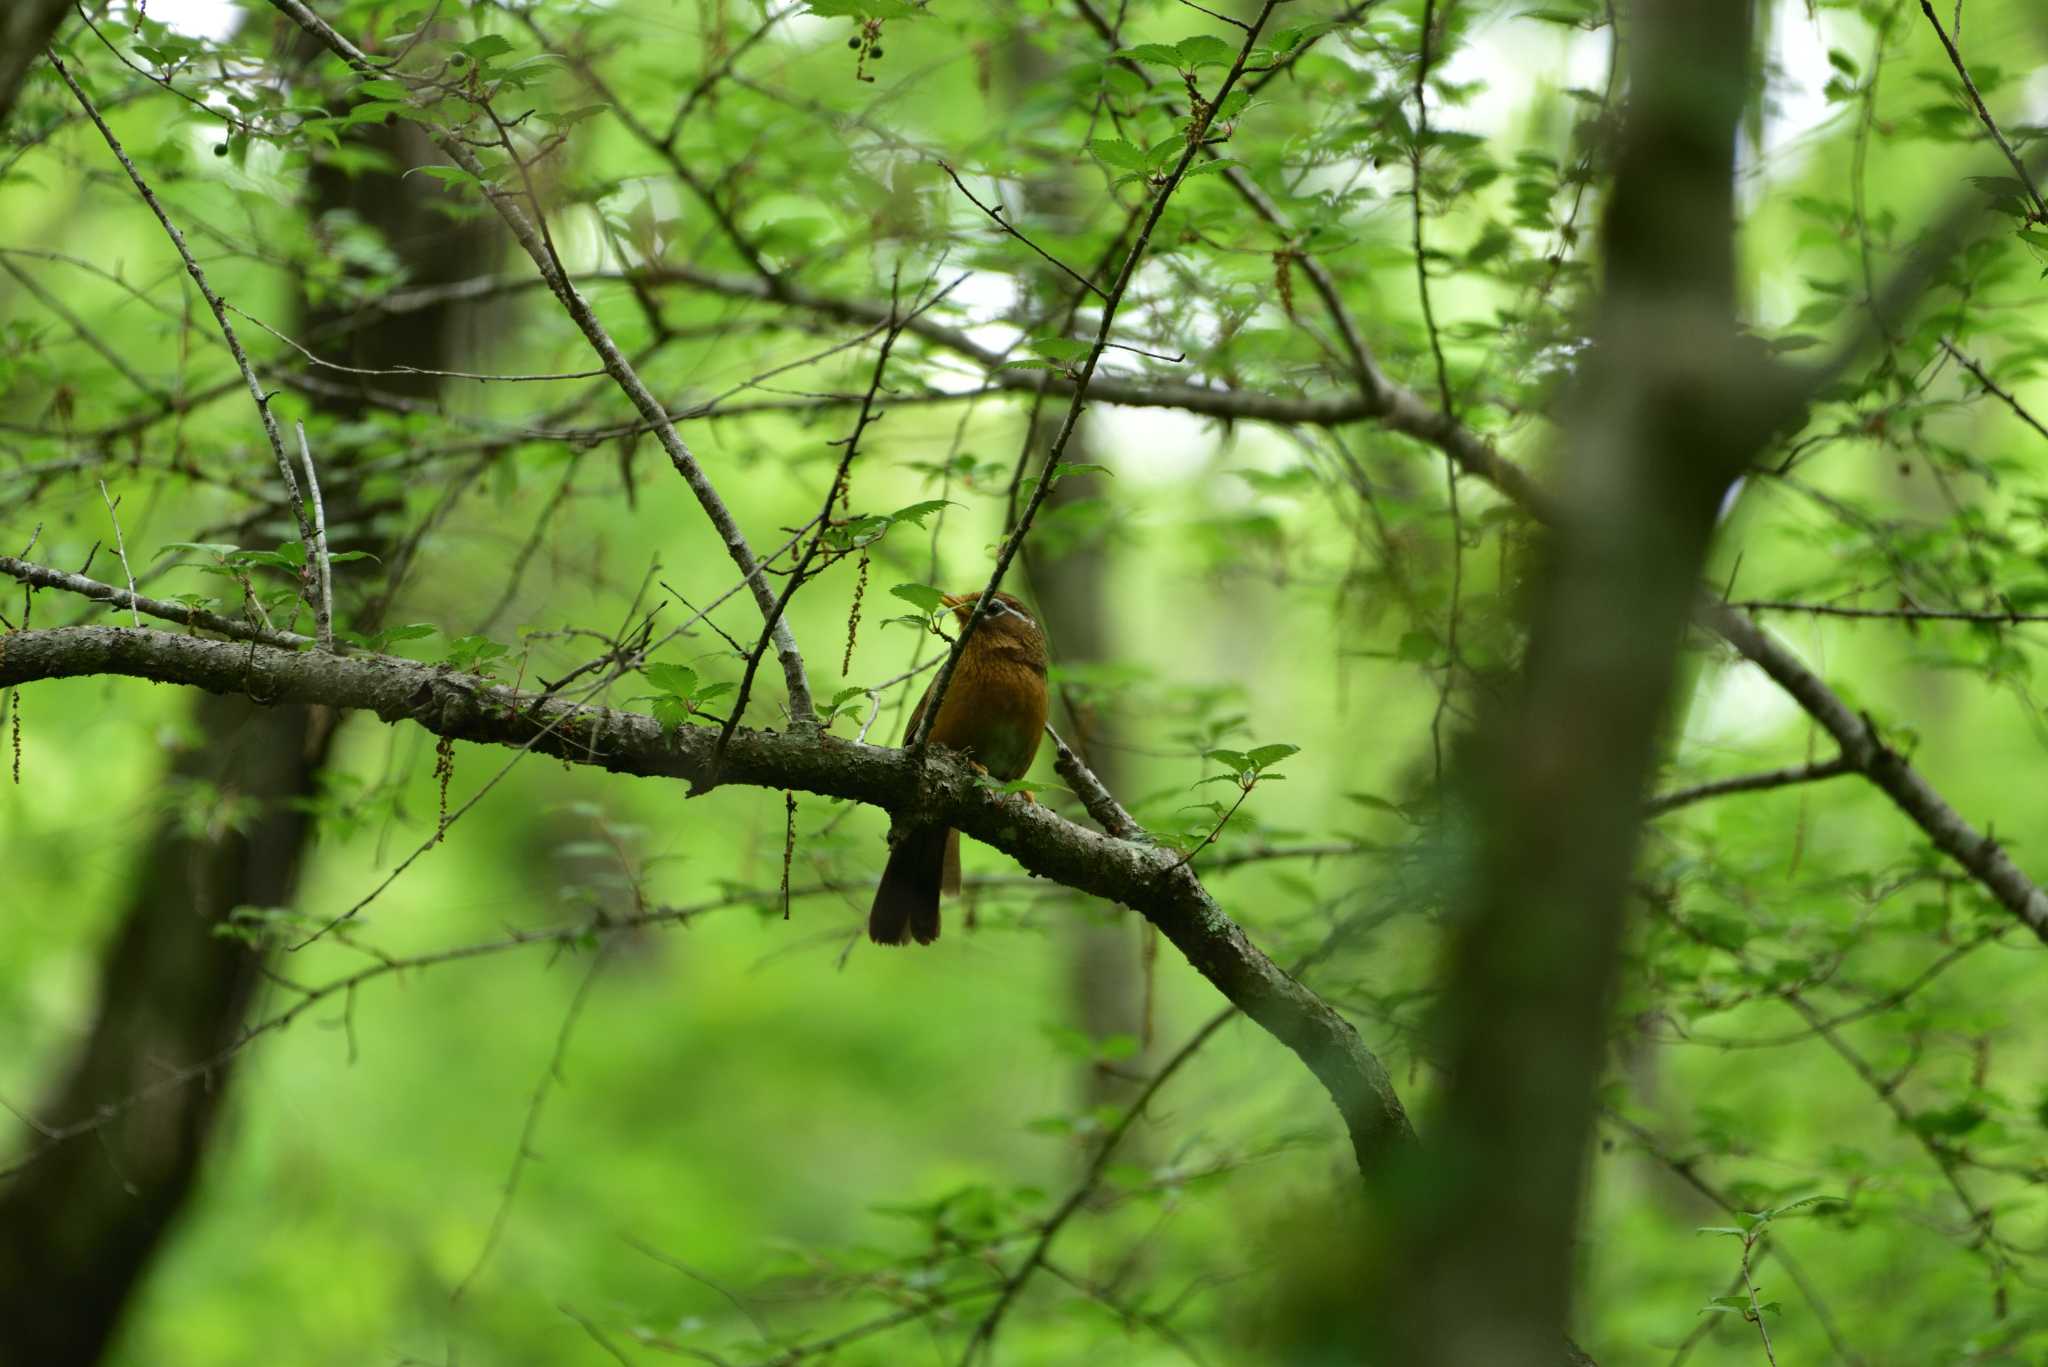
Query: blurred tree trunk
x,y
1672,405
26,28
79,1227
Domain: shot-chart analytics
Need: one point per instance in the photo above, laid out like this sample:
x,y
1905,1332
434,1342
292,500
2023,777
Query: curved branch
x,y
1868,755
466,707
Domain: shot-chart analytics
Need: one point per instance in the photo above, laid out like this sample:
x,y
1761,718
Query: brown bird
x,y
994,713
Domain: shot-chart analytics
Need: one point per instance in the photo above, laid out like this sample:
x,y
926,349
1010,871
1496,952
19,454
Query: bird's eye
x,y
997,607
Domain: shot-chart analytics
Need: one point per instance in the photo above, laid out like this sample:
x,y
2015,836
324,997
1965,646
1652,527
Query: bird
x,y
994,713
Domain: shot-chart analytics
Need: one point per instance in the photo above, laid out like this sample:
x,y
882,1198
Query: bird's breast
x,y
995,712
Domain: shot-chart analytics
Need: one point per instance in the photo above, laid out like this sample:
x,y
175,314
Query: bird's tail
x,y
906,904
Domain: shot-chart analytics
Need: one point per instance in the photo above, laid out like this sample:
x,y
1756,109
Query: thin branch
x,y
823,522
2039,213
323,607
615,363
996,213
1978,853
1749,783
985,1331
108,352
549,1078
1049,473
213,301
45,577
1992,385
1984,618
121,549
484,378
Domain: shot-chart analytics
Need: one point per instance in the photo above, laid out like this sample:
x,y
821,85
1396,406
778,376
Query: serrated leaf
x,y
1060,348
1118,153
922,596
1204,50
916,513
1158,54
1263,755
677,680
489,46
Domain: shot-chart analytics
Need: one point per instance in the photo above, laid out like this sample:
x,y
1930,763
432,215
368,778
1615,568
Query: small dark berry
x,y
220,149
875,53
853,43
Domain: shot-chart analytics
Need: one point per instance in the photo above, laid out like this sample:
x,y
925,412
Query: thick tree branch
x,y
465,707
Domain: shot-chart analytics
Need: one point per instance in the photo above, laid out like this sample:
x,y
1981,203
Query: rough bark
x,y
1156,882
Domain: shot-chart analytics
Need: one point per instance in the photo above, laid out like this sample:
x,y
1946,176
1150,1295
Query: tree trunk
x,y
79,1227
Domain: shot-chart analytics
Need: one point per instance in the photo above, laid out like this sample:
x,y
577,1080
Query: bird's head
x,y
1006,623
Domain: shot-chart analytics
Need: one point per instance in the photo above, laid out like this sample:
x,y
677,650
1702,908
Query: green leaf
x,y
1949,1122
1060,348
466,652
916,513
1158,54
677,680
1118,153
1263,755
447,175
1204,50
922,596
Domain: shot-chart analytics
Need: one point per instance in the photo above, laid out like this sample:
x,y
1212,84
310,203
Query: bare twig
x,y
213,301
323,607
121,549
314,360
1748,783
2039,212
2004,395
44,577
549,1079
995,212
2011,617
